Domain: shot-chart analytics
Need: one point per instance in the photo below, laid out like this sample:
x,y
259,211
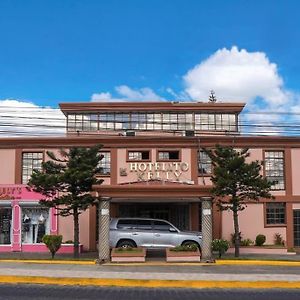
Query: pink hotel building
x,y
153,166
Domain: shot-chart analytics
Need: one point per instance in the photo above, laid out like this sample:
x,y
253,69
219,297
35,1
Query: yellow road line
x,y
45,261
259,262
151,283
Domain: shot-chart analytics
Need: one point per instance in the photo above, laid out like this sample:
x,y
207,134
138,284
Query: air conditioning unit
x,y
130,133
189,133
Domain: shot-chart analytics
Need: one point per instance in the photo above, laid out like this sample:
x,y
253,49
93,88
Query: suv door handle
x,y
135,233
156,234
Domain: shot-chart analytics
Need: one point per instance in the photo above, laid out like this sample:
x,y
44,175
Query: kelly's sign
x,y
10,192
159,170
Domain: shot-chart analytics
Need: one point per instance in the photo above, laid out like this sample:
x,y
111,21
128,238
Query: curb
x,y
158,264
150,283
50,262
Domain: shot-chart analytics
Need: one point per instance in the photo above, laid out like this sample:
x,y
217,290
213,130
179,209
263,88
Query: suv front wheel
x,y
126,244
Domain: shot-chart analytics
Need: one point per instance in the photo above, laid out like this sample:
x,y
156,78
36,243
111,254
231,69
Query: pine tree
x,y
66,181
236,182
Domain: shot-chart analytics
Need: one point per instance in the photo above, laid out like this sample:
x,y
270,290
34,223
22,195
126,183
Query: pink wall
x,y
7,159
251,224
295,171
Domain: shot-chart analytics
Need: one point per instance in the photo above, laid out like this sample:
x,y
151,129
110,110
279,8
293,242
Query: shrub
x,y
68,242
246,242
260,240
192,248
278,240
221,246
53,243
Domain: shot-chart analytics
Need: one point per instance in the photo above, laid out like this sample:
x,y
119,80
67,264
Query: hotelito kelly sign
x,y
159,170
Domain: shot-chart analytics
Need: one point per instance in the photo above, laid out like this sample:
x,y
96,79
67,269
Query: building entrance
x,y
177,214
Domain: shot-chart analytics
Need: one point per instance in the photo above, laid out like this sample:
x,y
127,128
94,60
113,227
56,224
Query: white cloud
x,y
21,118
126,93
237,75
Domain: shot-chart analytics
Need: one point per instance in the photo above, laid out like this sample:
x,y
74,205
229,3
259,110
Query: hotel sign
x,y
158,170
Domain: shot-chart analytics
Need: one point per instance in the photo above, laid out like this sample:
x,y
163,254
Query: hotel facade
x,y
153,166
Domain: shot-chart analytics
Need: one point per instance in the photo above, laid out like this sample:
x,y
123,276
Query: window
x,y
5,225
275,213
30,161
274,168
104,163
35,224
138,155
204,163
168,155
161,226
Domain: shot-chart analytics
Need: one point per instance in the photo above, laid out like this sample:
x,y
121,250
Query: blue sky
x,y
67,50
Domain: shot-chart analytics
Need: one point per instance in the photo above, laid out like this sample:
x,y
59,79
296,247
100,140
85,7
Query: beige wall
x,y
65,228
7,159
251,222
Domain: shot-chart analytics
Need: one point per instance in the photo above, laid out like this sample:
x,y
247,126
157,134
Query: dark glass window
x,y
30,161
274,168
126,224
144,224
105,163
168,155
161,226
204,163
275,213
138,155
5,225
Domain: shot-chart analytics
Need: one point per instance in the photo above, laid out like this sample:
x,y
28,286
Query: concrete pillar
x,y
103,238
206,229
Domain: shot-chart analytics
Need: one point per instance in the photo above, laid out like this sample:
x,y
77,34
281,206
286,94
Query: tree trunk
x,y
236,233
76,233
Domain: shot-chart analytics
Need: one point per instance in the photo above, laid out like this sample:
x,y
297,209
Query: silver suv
x,y
149,233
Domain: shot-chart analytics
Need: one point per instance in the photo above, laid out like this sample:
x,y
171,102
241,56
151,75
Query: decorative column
x,y
103,238
206,229
16,227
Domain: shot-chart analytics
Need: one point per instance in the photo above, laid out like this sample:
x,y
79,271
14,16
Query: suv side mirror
x,y
172,229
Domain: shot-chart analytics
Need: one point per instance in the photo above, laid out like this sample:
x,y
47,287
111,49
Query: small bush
x,y
53,243
246,242
68,242
221,246
278,240
260,240
192,248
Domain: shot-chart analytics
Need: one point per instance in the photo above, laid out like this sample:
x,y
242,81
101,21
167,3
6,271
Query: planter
x,y
262,250
182,256
133,255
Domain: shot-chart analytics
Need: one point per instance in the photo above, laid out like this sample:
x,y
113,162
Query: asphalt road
x,y
39,292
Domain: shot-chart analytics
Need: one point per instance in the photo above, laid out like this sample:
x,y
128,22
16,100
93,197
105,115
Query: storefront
x,y
23,222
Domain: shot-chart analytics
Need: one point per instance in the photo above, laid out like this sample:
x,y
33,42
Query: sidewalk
x,y
196,276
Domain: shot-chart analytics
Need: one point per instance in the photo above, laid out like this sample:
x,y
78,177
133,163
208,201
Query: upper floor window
x,y
138,155
275,213
166,121
274,168
168,155
105,163
204,163
30,161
